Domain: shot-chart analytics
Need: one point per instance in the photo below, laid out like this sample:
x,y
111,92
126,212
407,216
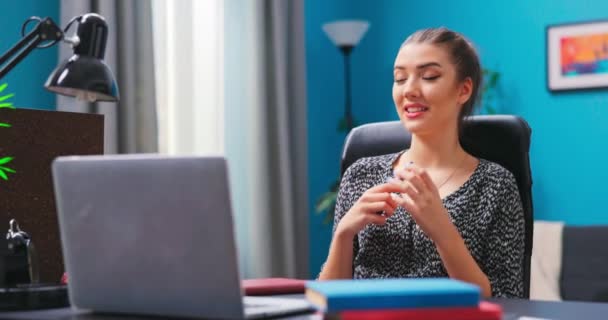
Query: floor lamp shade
x,y
346,33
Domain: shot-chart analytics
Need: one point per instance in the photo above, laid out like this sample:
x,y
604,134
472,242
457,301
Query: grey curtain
x,y
131,124
280,227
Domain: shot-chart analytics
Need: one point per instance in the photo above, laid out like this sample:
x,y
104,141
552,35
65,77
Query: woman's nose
x,y
411,89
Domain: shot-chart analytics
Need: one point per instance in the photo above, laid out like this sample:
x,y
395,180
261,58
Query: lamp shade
x,y
85,75
346,33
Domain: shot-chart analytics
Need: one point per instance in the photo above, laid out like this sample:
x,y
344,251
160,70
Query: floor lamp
x,y
346,34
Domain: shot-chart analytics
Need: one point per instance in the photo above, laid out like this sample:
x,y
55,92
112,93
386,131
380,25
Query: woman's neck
x,y
435,151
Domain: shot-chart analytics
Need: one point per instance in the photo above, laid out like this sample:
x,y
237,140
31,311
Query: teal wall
x,y
27,79
569,130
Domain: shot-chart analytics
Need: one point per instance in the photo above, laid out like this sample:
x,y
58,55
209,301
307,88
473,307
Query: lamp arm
x,y
45,30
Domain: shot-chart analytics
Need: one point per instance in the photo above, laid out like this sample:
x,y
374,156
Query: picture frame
x,y
577,56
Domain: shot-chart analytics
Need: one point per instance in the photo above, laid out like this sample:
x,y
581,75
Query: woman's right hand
x,y
368,209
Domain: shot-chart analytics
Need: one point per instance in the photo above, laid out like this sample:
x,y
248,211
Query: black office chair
x,y
504,139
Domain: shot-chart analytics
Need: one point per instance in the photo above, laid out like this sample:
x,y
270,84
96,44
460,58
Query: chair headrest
x,y
504,139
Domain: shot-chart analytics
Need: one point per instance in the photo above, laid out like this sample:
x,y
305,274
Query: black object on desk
x,y
18,258
33,296
19,275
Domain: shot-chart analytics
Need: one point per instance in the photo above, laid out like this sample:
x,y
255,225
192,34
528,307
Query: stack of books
x,y
273,286
403,299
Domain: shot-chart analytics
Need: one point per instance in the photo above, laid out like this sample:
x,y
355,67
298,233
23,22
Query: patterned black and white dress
x,y
486,209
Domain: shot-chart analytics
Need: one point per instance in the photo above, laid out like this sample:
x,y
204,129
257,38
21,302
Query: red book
x,y
271,286
486,311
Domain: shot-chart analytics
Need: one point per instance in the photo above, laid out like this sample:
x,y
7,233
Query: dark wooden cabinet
x,y
33,140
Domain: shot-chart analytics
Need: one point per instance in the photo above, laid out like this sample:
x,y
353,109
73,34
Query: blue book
x,y
372,294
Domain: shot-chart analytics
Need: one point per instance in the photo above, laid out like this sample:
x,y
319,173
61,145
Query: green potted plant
x,y
5,160
489,92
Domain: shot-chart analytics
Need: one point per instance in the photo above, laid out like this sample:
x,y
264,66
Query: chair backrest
x,y
504,139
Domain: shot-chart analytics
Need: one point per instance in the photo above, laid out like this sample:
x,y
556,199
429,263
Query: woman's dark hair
x,y
463,55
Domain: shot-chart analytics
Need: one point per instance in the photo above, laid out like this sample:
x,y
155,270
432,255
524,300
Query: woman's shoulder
x,y
496,174
367,165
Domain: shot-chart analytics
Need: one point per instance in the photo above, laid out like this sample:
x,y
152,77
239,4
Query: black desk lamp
x,y
85,76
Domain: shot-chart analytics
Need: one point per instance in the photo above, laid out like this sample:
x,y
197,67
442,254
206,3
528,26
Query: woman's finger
x,y
375,197
413,176
385,187
428,181
375,207
392,202
409,190
412,185
376,219
407,203
380,197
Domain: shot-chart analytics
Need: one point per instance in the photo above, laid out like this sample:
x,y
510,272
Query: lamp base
x,y
31,297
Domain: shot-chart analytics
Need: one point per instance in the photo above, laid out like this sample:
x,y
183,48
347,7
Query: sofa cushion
x,y
584,274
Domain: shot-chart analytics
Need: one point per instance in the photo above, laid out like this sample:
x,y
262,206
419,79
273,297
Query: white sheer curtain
x,y
189,63
248,103
189,53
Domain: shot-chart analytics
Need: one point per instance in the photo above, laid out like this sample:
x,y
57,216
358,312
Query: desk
x,y
513,309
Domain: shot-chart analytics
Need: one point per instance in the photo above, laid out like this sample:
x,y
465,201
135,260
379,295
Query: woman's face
x,y
426,90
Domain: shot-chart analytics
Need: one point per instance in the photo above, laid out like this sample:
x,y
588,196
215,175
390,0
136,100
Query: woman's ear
x,y
466,89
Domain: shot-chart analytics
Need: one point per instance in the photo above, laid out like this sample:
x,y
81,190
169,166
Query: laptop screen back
x,y
148,234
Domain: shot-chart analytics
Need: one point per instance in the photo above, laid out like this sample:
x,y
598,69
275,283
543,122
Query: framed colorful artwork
x,y
577,56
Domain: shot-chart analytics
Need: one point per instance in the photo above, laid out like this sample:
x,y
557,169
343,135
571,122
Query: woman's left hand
x,y
421,199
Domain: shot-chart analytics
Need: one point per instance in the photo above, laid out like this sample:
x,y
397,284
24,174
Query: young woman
x,y
432,210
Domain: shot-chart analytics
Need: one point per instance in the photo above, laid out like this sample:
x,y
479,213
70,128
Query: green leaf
x,y
7,169
6,105
6,160
489,99
5,125
3,86
326,201
493,80
8,96
3,175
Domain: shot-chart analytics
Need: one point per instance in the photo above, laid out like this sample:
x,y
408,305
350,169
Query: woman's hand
x,y
421,199
375,206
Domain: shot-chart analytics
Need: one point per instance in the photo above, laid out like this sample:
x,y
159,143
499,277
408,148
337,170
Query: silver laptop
x,y
152,234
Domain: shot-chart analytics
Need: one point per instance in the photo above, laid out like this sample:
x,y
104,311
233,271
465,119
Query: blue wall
x,y
27,79
569,130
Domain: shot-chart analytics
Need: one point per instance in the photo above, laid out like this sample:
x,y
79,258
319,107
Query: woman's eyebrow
x,y
420,66
428,64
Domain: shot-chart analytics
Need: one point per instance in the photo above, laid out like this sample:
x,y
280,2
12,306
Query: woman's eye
x,y
400,80
431,77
